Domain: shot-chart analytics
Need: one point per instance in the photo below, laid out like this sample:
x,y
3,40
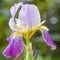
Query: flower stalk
x,y
29,55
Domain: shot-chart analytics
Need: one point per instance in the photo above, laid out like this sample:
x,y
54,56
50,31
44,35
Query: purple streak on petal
x,y
15,47
10,37
48,39
29,16
14,8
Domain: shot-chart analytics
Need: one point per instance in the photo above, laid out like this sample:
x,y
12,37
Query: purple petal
x,y
14,8
15,47
10,37
29,16
48,39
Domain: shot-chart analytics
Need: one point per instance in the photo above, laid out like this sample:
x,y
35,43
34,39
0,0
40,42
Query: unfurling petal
x,y
15,47
14,8
29,16
48,39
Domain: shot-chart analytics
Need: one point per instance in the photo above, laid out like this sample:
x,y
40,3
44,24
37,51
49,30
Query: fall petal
x,y
10,37
15,48
48,39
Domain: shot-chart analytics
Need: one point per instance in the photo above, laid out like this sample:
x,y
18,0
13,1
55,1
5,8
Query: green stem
x,y
29,55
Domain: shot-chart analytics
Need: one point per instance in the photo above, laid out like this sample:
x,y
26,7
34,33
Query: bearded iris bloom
x,y
27,23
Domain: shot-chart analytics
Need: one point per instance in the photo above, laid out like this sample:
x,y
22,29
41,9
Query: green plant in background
x,y
27,23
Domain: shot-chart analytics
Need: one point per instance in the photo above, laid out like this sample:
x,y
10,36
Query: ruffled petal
x,y
15,47
14,8
29,16
48,39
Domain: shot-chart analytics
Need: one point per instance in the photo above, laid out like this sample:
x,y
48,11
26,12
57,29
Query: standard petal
x,y
12,24
48,39
15,48
14,8
29,16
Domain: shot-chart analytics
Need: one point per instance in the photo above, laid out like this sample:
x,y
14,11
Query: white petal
x,y
14,8
29,16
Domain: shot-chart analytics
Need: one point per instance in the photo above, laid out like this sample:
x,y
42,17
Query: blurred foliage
x,y
50,11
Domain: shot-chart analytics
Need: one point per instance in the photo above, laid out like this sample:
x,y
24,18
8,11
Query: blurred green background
x,y
50,11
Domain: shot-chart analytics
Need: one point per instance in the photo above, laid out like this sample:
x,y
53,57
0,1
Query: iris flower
x,y
27,23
